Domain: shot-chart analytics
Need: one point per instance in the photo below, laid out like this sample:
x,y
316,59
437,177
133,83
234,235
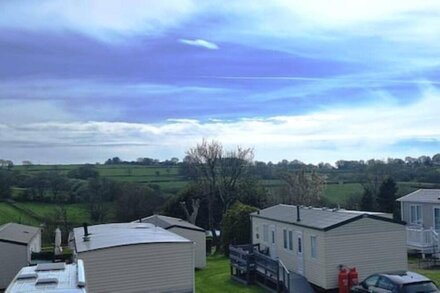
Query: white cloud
x,y
200,43
103,19
327,135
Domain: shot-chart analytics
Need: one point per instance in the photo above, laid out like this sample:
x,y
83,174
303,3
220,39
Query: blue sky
x,y
81,81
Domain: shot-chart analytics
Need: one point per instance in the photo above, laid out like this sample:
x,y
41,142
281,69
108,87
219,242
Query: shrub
x,y
236,225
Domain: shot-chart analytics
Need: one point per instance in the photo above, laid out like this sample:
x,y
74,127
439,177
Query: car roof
x,y
405,277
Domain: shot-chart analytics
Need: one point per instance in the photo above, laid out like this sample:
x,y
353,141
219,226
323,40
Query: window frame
x,y
313,246
418,215
285,244
266,233
290,242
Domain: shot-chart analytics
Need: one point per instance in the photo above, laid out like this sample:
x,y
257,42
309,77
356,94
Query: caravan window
x,y
265,233
290,240
313,247
415,214
285,238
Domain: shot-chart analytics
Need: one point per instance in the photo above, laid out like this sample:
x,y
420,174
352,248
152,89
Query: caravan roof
x,y
423,196
121,234
17,233
316,218
50,277
170,222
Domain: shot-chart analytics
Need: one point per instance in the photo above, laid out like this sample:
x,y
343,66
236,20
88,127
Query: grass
x,y
433,274
216,278
77,213
170,181
9,214
339,193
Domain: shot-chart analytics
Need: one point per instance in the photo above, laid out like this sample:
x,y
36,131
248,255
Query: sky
x,y
316,80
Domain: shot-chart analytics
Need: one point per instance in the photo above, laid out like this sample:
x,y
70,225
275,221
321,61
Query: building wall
x,y
369,245
155,267
427,213
199,238
12,258
314,268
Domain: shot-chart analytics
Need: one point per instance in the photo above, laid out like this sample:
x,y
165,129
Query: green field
x,y
76,213
166,177
9,214
170,181
339,193
216,278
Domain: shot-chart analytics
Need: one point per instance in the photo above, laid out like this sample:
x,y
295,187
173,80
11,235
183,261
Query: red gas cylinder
x,y
353,278
343,281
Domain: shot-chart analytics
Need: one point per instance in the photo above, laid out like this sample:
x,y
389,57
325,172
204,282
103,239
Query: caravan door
x,y
299,253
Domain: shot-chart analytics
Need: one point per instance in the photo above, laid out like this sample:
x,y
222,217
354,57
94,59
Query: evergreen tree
x,y
386,198
367,200
5,185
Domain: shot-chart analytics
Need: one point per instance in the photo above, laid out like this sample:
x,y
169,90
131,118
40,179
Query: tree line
x,y
223,186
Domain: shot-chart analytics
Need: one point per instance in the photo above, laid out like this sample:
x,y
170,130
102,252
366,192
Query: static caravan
x,y
186,230
421,211
314,242
50,277
17,242
134,257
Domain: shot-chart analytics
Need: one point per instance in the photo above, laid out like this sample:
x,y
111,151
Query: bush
x,y
236,225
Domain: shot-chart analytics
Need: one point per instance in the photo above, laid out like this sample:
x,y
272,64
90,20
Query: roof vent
x,y
50,267
46,281
27,276
81,274
142,227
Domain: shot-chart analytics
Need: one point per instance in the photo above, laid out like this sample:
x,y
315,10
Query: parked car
x,y
398,282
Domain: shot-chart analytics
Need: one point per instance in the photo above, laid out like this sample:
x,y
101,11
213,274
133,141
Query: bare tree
x,y
195,204
302,188
219,172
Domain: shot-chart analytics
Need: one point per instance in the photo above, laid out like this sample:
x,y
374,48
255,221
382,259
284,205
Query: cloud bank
x,y
330,134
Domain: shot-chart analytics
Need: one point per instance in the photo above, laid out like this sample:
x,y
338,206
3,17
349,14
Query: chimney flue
x,y
298,217
86,232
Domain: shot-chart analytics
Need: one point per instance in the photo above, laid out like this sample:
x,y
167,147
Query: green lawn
x,y
433,274
216,278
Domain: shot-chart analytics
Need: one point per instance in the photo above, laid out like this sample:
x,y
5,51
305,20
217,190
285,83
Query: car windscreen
x,y
423,287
